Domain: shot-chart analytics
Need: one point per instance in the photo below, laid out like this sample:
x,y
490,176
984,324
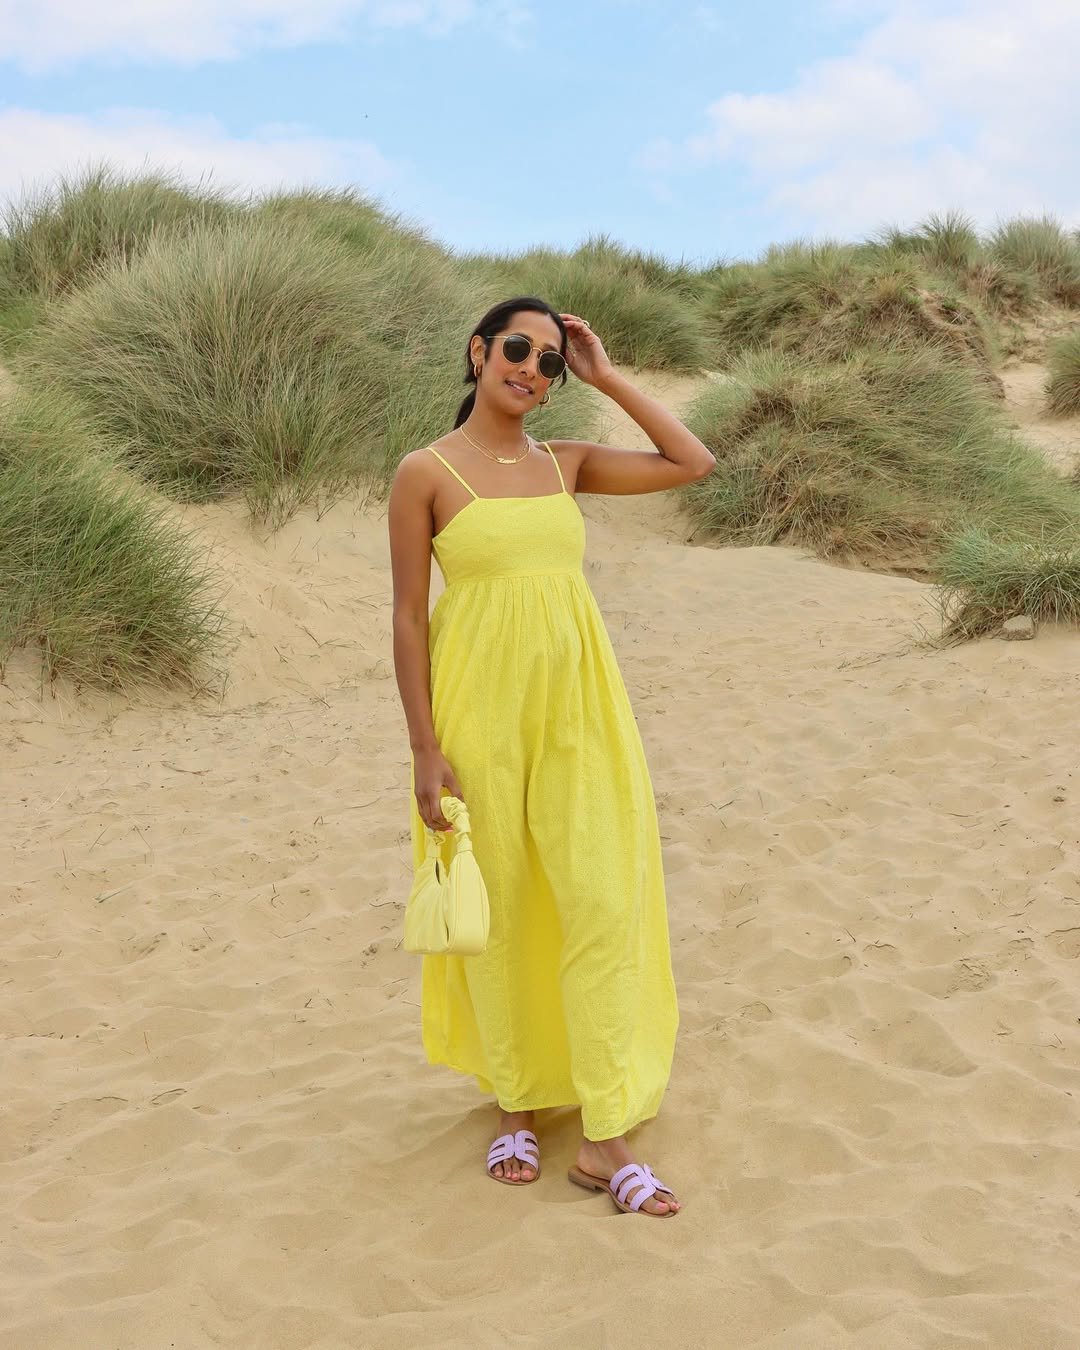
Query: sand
x,y
1025,394
218,1128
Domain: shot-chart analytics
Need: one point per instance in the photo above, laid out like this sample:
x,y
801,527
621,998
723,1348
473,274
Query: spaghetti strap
x,y
454,471
555,458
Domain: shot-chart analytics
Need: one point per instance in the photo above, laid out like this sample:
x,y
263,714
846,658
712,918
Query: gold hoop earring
x,y
476,372
544,401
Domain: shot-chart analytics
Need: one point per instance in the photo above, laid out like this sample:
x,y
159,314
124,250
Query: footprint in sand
x,y
1065,942
918,1042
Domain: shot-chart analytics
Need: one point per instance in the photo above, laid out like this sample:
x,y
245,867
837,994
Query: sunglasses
x,y
516,348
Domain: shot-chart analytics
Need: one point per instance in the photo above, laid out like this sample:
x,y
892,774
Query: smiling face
x,y
516,387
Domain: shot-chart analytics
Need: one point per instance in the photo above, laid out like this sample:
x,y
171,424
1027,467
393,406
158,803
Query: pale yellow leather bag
x,y
447,911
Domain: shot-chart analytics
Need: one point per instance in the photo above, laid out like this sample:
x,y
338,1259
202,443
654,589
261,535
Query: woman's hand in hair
x,y
585,353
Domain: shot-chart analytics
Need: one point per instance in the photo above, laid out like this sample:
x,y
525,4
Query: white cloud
x,y
39,34
39,146
963,104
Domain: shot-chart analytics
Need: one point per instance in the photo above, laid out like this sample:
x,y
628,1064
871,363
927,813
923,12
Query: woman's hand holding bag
x,y
447,912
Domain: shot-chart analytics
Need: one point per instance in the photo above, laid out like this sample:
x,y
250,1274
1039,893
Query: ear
x,y
476,351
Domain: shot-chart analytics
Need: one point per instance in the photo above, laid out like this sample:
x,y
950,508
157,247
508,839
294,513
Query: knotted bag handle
x,y
457,813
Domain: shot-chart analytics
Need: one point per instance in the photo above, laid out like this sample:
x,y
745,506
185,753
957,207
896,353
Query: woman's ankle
x,y
522,1119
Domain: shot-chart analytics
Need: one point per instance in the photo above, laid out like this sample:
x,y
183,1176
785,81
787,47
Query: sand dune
x,y
218,1128
1025,396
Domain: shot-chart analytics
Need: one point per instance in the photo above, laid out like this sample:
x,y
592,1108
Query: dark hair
x,y
494,321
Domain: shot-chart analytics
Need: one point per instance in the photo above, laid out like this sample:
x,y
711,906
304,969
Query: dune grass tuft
x,y
649,268
1042,248
872,458
1063,385
1024,261
948,240
828,302
58,237
233,360
346,216
92,570
1002,290
986,578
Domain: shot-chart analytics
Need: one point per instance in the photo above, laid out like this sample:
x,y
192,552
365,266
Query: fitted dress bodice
x,y
496,537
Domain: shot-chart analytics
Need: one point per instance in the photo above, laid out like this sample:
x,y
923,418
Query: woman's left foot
x,y
605,1157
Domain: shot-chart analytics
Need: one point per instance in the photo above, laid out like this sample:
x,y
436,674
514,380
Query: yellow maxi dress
x,y
573,1000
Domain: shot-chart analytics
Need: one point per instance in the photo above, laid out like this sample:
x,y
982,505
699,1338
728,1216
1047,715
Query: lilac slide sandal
x,y
523,1146
622,1183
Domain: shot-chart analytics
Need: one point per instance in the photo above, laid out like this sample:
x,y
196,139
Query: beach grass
x,y
19,311
93,571
987,577
948,240
1063,384
19,316
828,302
1000,273
230,361
649,268
347,217
874,458
57,237
1044,249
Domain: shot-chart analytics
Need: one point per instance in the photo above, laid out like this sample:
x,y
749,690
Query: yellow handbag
x,y
447,910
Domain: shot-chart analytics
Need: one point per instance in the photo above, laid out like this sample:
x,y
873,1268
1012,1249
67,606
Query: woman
x,y
515,705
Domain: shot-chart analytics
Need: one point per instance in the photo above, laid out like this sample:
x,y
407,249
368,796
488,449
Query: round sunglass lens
x,y
516,348
550,365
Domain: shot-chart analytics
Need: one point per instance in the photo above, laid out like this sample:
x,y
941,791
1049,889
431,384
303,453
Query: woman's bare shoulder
x,y
421,460
570,453
418,464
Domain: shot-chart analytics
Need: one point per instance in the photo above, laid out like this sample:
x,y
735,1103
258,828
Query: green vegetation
x,y
986,578
947,241
1024,263
92,569
57,239
347,217
1045,250
171,339
19,316
878,457
828,303
1063,386
233,360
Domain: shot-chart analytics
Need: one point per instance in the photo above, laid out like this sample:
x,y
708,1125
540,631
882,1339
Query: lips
x,y
519,388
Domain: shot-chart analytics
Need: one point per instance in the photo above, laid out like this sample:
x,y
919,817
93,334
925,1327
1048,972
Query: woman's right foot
x,y
514,1169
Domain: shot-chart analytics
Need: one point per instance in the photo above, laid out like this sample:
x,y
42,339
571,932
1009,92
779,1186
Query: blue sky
x,y
696,130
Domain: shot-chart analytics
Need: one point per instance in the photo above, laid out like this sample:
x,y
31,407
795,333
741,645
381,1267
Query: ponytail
x,y
466,408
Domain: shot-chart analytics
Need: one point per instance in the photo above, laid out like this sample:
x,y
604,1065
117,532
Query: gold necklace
x,y
491,453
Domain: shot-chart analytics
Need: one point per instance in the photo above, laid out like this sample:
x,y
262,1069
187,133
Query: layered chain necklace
x,y
502,459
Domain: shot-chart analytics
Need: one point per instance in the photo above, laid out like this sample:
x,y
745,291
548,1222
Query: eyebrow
x,y
548,347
